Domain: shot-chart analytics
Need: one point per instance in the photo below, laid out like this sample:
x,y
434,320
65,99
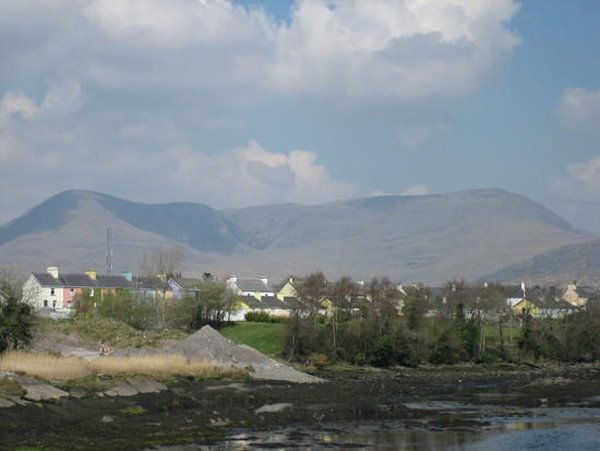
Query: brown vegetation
x,y
60,368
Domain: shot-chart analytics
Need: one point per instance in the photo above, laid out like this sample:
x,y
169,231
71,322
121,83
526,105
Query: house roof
x,y
113,282
272,302
149,283
588,292
254,285
188,283
251,301
292,303
76,280
46,280
266,302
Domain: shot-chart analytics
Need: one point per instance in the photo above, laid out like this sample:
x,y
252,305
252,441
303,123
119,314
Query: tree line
x,y
375,323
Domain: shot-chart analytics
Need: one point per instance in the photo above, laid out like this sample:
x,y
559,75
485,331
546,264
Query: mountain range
x,y
486,234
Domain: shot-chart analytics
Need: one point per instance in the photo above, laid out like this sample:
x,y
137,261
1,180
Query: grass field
x,y
266,337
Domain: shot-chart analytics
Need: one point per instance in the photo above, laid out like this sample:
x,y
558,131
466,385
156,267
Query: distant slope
x,y
196,225
580,262
428,238
49,215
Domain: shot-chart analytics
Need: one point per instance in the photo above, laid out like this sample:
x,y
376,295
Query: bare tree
x,y
384,299
344,297
162,262
11,282
161,265
311,292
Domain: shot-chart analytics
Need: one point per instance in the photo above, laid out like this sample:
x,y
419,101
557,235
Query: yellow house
x,y
525,306
288,290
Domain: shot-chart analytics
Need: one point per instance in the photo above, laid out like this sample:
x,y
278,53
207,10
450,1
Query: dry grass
x,y
46,366
158,366
61,368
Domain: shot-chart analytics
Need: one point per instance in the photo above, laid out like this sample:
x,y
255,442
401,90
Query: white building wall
x,y
39,297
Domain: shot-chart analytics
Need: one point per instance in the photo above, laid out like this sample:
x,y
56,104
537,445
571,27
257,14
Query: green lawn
x,y
266,337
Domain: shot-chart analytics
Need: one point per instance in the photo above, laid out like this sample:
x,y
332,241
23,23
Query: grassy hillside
x,y
266,337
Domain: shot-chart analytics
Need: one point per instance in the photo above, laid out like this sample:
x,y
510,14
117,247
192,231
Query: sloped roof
x,y
272,302
254,285
292,303
188,283
76,280
46,280
113,282
588,292
251,301
150,283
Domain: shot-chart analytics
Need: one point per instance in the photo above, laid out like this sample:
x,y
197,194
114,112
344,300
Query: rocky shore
x,y
191,412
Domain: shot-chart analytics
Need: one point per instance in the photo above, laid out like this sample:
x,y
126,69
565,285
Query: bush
x,y
319,361
15,324
261,317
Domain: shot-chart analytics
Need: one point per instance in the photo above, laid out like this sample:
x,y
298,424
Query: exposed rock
x,y
123,389
274,408
135,386
220,422
36,390
77,394
107,419
6,403
147,385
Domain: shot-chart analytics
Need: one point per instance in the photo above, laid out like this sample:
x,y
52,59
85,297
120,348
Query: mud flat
x,y
453,406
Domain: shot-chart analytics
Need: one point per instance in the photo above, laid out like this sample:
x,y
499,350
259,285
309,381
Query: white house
x,y
45,290
258,288
53,293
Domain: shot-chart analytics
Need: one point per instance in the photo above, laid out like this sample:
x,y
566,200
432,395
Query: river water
x,y
478,427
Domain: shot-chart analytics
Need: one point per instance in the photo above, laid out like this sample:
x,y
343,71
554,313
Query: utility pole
x,y
109,264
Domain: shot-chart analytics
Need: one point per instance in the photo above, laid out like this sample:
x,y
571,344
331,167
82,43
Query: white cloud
x,y
357,48
587,173
252,175
123,93
415,190
579,110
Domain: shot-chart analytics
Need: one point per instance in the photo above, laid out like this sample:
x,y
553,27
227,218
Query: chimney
x,y
265,280
128,275
91,274
523,288
53,271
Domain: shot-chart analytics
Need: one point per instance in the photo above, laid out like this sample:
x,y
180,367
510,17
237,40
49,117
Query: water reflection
x,y
351,436
550,429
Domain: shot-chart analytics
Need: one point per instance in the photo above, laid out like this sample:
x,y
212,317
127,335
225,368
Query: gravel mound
x,y
208,345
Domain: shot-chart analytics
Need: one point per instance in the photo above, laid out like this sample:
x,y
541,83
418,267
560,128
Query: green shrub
x,y
261,317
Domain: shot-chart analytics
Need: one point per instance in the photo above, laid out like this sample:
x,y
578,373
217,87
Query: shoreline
x,y
205,412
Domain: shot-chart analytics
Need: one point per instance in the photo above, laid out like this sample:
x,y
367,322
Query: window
x,y
45,302
51,291
72,290
54,303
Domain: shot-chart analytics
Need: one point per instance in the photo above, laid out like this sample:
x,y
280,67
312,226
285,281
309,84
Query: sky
x,y
251,102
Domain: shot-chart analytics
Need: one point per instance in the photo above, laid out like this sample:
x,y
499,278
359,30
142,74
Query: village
x,y
54,294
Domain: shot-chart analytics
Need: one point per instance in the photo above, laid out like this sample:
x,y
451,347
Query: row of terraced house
x,y
54,293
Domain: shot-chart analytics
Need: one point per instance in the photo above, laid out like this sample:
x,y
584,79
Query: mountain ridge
x,y
427,238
